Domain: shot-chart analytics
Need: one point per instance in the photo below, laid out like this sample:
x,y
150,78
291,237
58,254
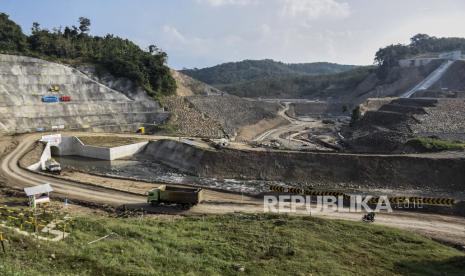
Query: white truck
x,y
52,166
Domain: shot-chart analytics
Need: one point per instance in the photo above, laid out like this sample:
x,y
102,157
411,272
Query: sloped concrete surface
x,y
93,106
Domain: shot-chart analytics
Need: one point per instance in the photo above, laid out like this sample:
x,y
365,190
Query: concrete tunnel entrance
x,y
54,151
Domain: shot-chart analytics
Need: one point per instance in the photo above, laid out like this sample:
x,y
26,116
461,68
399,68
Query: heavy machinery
x,y
54,88
52,166
220,143
141,130
65,98
186,197
50,99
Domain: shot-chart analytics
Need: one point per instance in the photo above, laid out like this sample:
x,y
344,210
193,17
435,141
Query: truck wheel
x,y
186,206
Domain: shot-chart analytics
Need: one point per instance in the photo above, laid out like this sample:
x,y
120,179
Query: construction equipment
x,y
65,98
141,130
52,166
50,99
186,197
220,143
54,88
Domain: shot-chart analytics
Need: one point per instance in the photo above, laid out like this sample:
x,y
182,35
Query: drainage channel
x,y
159,173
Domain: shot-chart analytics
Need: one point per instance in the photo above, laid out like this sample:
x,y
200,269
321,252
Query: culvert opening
x,y
55,151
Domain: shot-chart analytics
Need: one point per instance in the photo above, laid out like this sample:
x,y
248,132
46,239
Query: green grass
x,y
214,245
435,144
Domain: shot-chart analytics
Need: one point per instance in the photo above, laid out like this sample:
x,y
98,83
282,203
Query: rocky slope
x,y
201,110
387,124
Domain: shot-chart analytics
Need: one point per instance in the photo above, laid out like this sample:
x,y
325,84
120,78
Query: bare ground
x,y
248,133
445,228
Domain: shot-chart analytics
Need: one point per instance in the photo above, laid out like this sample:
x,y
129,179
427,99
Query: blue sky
x,y
200,33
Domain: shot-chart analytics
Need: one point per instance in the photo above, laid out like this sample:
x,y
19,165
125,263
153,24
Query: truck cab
x,y
52,166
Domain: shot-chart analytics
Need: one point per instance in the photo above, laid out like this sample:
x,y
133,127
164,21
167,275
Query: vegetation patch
x,y
435,144
33,221
226,244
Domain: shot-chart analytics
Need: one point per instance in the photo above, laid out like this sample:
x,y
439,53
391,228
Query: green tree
x,y
120,57
84,25
11,36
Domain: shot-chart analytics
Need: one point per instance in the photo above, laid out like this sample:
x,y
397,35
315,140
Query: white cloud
x,y
315,9
217,3
173,33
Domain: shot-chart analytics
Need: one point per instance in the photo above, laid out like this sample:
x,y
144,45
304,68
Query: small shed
x,y
38,194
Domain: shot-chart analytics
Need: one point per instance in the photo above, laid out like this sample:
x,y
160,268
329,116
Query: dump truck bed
x,y
170,194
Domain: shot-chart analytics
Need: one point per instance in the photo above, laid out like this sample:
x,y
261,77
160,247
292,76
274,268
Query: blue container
x,y
50,99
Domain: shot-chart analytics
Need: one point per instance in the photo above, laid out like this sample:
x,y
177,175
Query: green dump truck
x,y
175,195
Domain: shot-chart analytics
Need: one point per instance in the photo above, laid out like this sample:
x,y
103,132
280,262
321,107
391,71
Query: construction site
x,y
95,161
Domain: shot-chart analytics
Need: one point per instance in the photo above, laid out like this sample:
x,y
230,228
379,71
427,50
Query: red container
x,y
65,98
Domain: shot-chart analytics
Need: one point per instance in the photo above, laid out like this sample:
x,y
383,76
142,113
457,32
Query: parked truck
x,y
52,166
50,99
65,98
220,143
186,197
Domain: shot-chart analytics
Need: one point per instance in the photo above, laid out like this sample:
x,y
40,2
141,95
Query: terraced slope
x,y
93,106
388,123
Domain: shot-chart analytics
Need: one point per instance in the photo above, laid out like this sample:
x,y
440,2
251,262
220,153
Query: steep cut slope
x,y
187,86
201,110
235,113
453,79
93,106
387,124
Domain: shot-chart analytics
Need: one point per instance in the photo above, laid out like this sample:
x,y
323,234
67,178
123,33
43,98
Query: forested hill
x,y
268,78
74,45
249,70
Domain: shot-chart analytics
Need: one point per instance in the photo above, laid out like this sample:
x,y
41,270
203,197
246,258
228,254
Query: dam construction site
x,y
112,169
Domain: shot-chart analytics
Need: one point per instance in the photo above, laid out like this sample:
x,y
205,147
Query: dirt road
x,y
286,134
445,228
19,178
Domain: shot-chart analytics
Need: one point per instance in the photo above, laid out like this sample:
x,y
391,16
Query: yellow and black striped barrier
x,y
323,193
417,200
396,199
295,191
276,188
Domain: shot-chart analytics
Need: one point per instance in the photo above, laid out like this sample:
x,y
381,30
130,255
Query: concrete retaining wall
x,y
74,146
126,150
46,155
318,169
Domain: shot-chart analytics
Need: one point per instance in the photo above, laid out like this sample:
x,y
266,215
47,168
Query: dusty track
x,y
19,178
445,228
286,134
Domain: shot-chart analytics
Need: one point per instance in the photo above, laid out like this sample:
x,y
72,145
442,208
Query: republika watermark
x,y
353,204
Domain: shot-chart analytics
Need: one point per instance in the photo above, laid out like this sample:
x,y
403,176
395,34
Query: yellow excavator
x,y
54,88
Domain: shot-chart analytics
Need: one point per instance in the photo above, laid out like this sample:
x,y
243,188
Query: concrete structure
x,y
425,59
454,55
71,145
93,106
74,146
46,155
313,169
430,80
